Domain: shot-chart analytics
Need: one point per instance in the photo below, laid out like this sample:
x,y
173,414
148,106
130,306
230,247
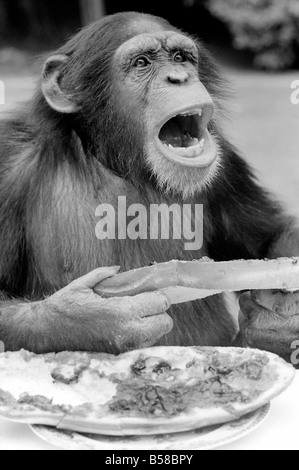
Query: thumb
x,y
250,309
90,280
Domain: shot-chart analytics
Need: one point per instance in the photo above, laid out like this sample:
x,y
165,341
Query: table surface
x,y
278,432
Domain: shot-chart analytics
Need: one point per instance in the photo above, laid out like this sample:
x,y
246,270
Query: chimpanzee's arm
x,y
25,325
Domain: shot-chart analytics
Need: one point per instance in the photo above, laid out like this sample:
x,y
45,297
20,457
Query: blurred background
x,y
256,43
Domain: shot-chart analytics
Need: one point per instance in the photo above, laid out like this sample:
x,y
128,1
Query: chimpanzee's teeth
x,y
197,113
188,152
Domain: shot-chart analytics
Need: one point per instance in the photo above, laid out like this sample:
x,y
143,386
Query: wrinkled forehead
x,y
154,41
146,25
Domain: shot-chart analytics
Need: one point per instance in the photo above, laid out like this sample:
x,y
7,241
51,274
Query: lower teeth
x,y
188,152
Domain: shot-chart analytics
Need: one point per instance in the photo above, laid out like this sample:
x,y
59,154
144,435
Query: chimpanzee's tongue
x,y
171,134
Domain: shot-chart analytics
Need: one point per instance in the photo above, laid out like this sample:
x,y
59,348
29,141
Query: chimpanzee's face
x,y
142,102
157,77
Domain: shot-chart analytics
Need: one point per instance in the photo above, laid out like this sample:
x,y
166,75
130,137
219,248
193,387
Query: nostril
x,y
177,78
174,81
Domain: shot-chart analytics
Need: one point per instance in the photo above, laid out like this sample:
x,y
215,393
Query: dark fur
x,y
55,169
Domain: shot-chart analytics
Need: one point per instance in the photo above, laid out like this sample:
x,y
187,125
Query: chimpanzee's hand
x,y
271,321
110,325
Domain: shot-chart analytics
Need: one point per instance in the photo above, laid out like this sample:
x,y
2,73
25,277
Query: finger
x,y
146,333
151,303
250,308
154,328
258,317
286,304
267,340
95,277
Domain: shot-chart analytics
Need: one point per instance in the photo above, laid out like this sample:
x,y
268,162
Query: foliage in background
x,y
37,23
269,28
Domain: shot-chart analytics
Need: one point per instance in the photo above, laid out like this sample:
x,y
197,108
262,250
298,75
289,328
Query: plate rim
x,y
253,422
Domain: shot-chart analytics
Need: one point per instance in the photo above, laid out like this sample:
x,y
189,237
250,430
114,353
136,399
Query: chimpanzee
x,y
127,108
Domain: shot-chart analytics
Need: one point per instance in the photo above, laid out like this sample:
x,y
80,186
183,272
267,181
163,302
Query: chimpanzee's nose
x,y
178,77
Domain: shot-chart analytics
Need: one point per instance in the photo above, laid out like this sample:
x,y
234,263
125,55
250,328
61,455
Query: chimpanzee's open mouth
x,y
185,137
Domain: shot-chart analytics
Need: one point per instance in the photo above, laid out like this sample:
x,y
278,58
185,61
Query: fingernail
x,y
114,268
166,299
255,296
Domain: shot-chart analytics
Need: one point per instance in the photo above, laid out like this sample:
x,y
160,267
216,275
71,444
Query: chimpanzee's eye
x,y
141,62
179,57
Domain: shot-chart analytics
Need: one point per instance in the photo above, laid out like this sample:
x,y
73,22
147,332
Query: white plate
x,y
202,439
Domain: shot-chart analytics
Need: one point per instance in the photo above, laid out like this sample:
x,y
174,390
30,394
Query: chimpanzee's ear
x,y
54,95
